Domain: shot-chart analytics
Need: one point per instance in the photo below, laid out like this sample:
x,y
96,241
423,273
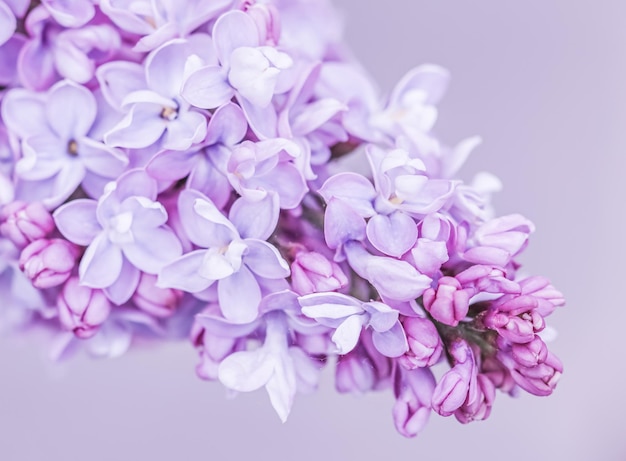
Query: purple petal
x,y
430,79
347,334
101,264
78,107
7,23
281,387
263,120
141,127
246,371
231,31
207,88
382,317
70,14
315,115
171,165
123,288
101,159
227,126
391,343
256,219
188,129
239,296
264,260
353,189
152,249
165,66
204,224
118,79
184,273
393,235
24,112
76,220
342,224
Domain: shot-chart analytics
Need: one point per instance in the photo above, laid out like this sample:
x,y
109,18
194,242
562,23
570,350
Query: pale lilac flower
x,y
125,232
348,316
233,254
82,309
23,223
155,112
53,52
413,390
227,127
247,69
48,263
278,365
58,154
162,20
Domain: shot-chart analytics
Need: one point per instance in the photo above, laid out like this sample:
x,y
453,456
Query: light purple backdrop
x,y
544,82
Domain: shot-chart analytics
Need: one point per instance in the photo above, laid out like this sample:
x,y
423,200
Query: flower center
x,y
72,148
169,113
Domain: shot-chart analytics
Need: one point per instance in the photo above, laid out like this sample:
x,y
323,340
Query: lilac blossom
x,y
162,20
247,69
347,316
150,97
58,154
233,254
278,365
125,233
224,171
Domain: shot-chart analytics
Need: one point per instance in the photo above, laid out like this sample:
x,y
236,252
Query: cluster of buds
x,y
184,171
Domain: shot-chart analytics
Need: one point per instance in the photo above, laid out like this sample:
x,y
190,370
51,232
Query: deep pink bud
x,y
48,263
82,309
458,385
425,345
530,354
23,223
480,408
498,374
159,302
449,303
541,379
312,272
548,298
515,328
413,390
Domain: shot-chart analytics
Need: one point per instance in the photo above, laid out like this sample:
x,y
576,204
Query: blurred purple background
x,y
544,83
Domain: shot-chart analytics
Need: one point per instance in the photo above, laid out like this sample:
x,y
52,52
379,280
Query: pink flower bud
x,y
48,263
312,272
363,369
82,309
541,379
449,302
23,223
159,302
530,354
413,390
212,349
480,408
458,385
424,343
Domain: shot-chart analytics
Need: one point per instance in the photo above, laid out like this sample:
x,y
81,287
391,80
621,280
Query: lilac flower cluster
x,y
224,171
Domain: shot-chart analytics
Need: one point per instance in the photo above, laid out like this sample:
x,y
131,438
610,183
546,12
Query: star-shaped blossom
x,y
348,316
58,152
247,69
125,232
150,98
233,252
